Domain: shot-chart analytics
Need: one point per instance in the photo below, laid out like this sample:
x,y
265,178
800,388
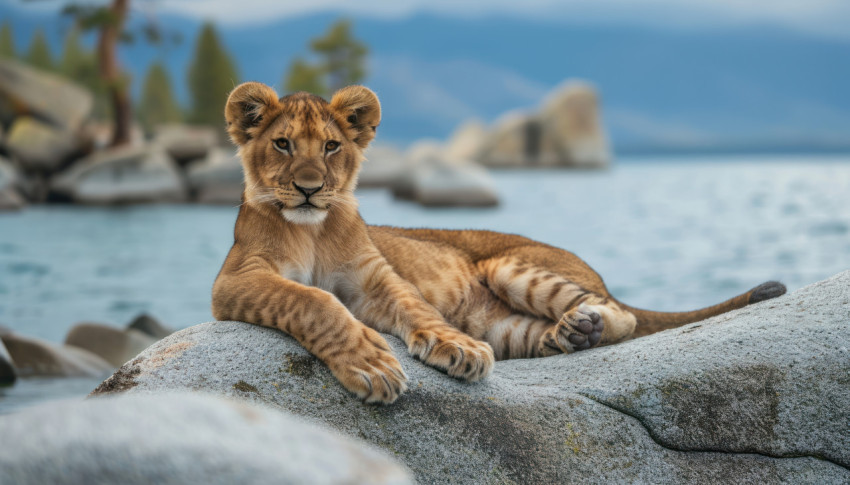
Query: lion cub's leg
x,y
388,303
582,319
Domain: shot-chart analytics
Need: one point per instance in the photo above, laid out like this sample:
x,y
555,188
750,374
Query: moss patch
x,y
245,387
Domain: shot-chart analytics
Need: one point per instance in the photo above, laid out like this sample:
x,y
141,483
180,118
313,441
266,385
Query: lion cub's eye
x,y
282,144
331,146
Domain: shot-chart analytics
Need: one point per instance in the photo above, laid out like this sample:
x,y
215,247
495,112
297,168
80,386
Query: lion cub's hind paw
x,y
579,329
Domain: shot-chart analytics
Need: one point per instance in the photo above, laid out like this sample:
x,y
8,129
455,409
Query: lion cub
x,y
303,261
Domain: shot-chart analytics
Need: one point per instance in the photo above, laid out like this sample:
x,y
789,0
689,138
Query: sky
x,y
827,18
818,17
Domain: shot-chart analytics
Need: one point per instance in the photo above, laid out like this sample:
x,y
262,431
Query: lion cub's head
x,y
300,153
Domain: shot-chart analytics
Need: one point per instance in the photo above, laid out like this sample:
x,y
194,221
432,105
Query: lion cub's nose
x,y
308,191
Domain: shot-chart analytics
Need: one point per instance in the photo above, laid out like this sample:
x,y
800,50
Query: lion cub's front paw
x,y
579,329
370,370
451,350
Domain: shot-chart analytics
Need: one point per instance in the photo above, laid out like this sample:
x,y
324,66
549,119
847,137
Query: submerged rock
x,y
37,358
122,175
180,438
758,395
113,345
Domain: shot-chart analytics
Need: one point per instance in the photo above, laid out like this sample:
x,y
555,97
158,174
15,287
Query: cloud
x,y
822,17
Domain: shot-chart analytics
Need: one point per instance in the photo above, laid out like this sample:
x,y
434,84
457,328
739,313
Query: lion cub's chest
x,y
308,273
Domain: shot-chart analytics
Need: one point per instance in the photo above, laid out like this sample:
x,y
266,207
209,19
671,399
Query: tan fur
x,y
458,299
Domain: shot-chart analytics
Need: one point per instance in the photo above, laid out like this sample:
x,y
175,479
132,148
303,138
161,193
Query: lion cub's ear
x,y
248,106
358,113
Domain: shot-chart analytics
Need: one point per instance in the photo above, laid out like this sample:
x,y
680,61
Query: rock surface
x,y
8,374
28,91
433,179
758,395
113,345
10,197
185,143
41,147
179,439
566,131
122,175
151,326
217,179
38,358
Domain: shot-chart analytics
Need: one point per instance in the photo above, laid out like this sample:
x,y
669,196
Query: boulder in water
x,y
41,147
10,197
113,345
438,181
185,143
8,374
38,358
150,326
26,91
122,175
218,178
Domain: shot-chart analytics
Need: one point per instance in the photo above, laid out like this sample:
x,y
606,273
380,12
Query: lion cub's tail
x,y
650,322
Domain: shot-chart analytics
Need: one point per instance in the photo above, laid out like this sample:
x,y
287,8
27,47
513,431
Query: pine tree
x,y
342,54
212,75
157,105
304,77
39,52
7,41
341,62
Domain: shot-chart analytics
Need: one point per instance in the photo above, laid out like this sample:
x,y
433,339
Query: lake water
x,y
665,234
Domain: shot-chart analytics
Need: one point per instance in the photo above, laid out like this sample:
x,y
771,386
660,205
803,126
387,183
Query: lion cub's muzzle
x,y
307,191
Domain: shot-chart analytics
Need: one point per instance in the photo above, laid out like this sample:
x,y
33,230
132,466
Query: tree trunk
x,y
110,72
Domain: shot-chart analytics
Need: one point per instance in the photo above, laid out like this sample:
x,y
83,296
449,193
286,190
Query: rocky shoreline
x,y
51,150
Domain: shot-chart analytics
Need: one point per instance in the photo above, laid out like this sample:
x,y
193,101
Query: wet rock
x,y
150,326
113,345
10,197
179,439
38,358
40,147
25,91
185,143
218,178
122,175
758,395
8,374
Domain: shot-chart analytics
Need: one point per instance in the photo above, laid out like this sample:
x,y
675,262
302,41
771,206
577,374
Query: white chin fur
x,y
309,217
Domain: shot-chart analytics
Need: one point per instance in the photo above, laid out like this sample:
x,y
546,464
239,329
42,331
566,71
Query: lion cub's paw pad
x,y
579,329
